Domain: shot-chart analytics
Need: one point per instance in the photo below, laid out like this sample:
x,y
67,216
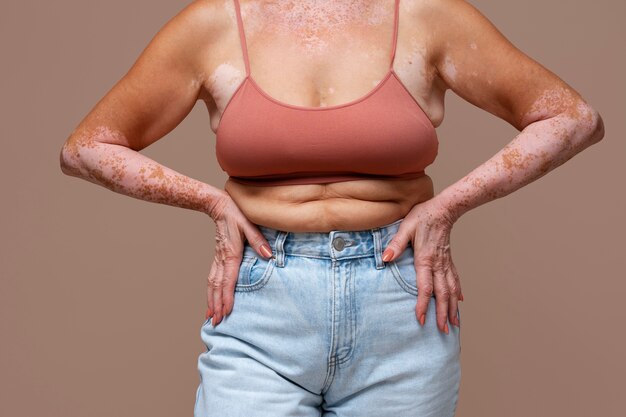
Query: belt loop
x,y
378,248
279,248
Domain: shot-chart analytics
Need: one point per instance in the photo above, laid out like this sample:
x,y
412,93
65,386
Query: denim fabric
x,y
326,328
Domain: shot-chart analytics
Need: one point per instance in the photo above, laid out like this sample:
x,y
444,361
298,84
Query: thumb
x,y
258,241
396,246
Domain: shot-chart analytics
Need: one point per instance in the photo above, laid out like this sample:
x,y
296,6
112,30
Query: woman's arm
x,y
156,94
103,157
148,102
479,64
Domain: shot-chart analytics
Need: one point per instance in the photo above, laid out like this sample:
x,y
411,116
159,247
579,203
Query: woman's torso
x,y
318,54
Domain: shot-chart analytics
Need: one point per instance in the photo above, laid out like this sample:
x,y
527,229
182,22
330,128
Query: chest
x,y
318,55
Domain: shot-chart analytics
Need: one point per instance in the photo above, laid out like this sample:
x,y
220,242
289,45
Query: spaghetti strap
x,y
242,37
396,17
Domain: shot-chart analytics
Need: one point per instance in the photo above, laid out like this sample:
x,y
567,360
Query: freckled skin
x,y
541,146
128,172
316,53
348,38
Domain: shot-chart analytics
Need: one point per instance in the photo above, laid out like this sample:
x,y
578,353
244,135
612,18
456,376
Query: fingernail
x,y
422,319
461,297
445,328
266,251
387,254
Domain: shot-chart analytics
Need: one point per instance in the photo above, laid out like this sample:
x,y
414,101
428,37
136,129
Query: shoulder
x,y
458,23
475,60
193,34
201,18
447,22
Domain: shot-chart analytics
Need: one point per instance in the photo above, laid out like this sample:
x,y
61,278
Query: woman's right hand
x,y
232,230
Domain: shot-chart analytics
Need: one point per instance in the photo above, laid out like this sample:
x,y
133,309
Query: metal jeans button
x,y
339,243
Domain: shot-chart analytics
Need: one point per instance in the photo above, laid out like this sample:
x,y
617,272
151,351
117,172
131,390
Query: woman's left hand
x,y
428,227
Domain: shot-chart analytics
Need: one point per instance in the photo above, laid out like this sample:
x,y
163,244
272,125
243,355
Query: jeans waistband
x,y
334,245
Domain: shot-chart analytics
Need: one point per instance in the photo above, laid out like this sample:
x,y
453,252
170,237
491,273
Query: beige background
x,y
102,295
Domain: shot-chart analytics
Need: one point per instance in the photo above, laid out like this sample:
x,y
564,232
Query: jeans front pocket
x,y
403,270
254,273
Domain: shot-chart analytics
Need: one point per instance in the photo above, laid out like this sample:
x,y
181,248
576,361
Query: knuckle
x,y
256,240
231,256
455,289
215,284
443,294
426,290
427,259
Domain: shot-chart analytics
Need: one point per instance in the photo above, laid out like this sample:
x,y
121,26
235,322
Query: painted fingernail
x,y
266,251
461,297
387,254
445,328
422,319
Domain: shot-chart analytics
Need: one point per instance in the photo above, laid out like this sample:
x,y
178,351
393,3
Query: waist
x,y
332,245
320,178
321,208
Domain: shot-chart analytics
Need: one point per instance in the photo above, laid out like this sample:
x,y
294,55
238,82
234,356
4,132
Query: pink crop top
x,y
383,135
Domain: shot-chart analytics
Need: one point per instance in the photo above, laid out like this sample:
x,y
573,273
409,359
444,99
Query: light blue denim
x,y
326,328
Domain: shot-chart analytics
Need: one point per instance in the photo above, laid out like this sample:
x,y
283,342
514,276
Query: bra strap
x,y
396,17
242,37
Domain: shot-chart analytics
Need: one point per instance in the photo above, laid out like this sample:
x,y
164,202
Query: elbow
x,y
63,161
592,124
69,160
597,132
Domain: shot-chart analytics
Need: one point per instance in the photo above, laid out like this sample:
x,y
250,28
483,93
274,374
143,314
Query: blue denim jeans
x,y
326,328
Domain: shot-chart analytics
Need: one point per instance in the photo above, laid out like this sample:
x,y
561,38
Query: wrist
x,y
447,207
216,203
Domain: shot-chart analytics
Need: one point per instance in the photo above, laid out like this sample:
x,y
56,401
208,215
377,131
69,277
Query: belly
x,y
349,205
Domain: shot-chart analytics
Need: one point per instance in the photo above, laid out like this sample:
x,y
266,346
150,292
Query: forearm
x,y
126,171
536,150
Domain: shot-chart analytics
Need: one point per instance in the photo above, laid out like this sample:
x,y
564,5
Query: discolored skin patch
x,y
539,148
315,53
98,156
328,53
302,52
311,24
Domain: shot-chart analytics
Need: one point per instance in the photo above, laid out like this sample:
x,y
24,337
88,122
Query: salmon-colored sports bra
x,y
385,134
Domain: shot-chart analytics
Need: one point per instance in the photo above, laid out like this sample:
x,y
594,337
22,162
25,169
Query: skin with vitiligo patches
x,y
311,24
304,53
98,156
315,53
536,150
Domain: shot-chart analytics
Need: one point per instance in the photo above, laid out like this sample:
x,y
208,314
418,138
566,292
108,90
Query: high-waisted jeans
x,y
326,328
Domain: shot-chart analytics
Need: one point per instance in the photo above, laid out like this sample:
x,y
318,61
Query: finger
x,y
217,294
424,290
442,297
231,274
453,300
398,242
211,308
457,279
455,291
257,240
